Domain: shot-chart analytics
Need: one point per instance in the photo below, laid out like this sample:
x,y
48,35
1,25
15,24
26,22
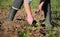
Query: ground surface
x,y
11,28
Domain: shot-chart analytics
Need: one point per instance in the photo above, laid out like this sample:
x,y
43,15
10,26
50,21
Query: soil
x,y
11,28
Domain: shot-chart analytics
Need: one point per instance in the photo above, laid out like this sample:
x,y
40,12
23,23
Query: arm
x,y
28,11
27,8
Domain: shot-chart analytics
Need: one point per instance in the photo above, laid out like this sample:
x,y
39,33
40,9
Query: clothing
x,y
11,14
28,1
17,4
45,6
47,12
45,0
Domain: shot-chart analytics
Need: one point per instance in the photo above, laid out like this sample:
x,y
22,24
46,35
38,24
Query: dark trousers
x,y
47,11
16,4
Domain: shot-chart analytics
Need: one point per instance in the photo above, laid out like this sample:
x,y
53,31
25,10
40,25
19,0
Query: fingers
x,y
29,19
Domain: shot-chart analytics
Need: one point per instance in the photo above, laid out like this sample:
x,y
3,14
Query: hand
x,y
30,19
40,6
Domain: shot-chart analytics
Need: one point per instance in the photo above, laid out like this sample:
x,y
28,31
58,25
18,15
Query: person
x,y
16,5
28,11
46,7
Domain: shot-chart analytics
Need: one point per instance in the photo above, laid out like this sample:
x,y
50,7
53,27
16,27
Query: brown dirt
x,y
10,28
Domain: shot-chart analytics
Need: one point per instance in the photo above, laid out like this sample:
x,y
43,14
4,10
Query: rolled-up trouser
x,y
16,5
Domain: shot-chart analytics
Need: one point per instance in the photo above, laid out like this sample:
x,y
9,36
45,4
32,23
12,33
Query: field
x,y
21,28
7,4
